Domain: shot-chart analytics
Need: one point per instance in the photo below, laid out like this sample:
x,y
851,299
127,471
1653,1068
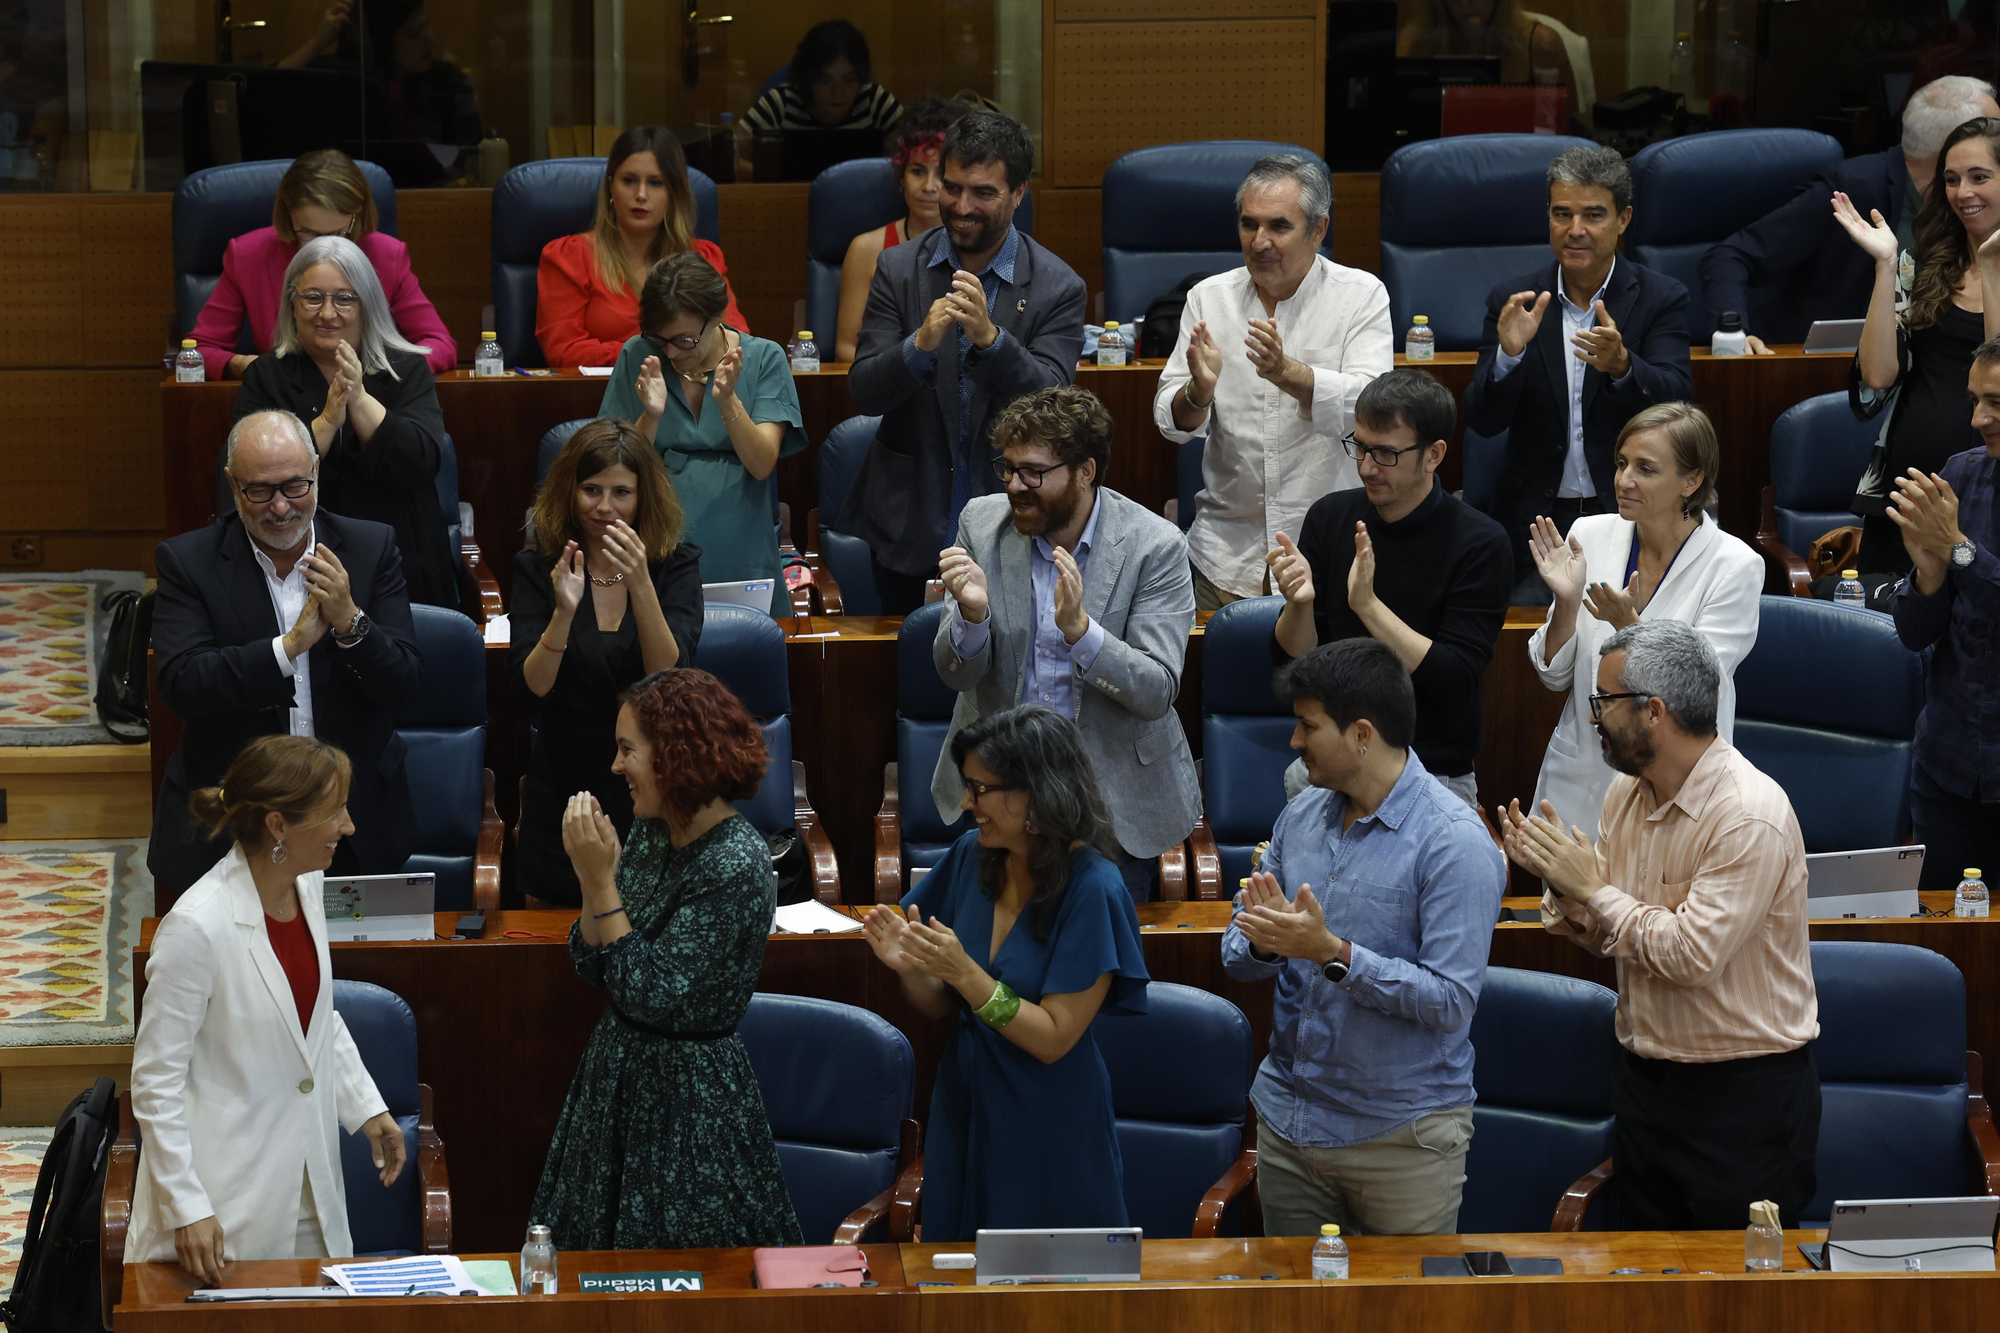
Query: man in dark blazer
x,y
1573,352
233,668
960,321
1799,259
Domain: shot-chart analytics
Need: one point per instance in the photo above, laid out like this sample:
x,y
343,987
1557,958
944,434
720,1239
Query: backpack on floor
x,y
122,704
57,1288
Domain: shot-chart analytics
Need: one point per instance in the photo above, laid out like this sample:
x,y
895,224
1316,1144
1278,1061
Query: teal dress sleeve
x,y
621,393
1097,931
768,392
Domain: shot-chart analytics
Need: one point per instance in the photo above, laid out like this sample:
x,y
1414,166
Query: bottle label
x,y
188,375
1327,1266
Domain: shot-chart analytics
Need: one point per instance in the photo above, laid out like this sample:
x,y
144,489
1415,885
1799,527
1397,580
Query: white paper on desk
x,y
498,632
416,1275
812,916
596,372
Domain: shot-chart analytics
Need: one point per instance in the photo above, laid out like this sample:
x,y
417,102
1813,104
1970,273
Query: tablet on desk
x,y
1834,335
380,907
1879,882
1909,1236
753,593
1065,1254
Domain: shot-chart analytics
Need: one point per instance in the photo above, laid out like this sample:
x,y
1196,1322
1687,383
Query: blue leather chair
x,y
1460,215
1826,704
908,832
1688,193
837,1084
216,205
842,569
1901,1115
745,650
1180,1087
1170,211
846,199
1544,1050
464,552
535,203
458,831
1818,453
1187,479
1246,744
414,1214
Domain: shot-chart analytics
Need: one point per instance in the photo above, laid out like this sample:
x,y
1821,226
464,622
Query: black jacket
x,y
213,624
1531,404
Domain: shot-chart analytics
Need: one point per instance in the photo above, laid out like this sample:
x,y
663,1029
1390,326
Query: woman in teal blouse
x,y
721,421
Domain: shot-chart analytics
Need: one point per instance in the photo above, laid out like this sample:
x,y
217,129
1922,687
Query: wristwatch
x,y
357,629
1334,970
1961,555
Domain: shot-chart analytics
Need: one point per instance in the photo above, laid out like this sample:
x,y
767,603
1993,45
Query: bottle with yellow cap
x,y
1970,900
1111,345
189,368
1764,1239
1849,592
1329,1258
489,362
1420,343
805,354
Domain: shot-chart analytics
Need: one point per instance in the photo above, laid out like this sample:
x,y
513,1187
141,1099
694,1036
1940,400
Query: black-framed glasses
x,y
306,234
979,789
263,492
687,342
1380,454
344,302
1597,702
1031,477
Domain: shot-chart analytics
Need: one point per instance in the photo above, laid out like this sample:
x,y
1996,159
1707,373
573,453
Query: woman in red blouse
x,y
587,306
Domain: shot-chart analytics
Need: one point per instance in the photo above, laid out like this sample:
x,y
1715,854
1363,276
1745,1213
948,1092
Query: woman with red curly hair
x,y
663,1142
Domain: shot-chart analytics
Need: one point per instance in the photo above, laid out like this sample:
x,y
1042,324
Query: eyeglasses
x,y
979,789
1031,477
305,234
263,492
1597,702
344,302
687,342
1380,454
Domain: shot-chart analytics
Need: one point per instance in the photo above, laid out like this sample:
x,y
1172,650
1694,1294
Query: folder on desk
x,y
796,1266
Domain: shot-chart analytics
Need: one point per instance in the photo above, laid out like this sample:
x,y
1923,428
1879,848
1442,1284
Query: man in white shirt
x,y
1269,361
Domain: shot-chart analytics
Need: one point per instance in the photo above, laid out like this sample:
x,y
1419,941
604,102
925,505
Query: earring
x,y
278,853
1687,509
1364,752
1031,827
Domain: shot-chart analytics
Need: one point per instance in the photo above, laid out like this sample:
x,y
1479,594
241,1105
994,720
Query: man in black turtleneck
x,y
1424,573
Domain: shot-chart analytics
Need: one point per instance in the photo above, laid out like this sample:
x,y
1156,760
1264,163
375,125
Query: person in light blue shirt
x,y
1374,910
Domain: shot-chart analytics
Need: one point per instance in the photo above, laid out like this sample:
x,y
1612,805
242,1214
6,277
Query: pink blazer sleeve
x,y
416,318
221,319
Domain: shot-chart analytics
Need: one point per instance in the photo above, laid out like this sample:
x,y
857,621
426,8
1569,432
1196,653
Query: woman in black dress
x,y
608,594
339,365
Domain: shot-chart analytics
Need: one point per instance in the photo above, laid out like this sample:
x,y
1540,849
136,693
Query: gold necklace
x,y
606,583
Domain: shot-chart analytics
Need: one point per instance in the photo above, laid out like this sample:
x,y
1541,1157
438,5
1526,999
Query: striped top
x,y
785,108
1706,915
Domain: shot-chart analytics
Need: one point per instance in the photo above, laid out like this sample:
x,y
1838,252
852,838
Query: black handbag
x,y
122,703
57,1288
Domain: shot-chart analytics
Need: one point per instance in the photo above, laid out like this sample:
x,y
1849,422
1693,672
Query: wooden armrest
x,y
855,1225
889,840
490,602
1978,1120
825,870
1785,563
121,1173
1207,864
897,1203
433,1180
1173,874
1577,1198
486,856
1241,1176
826,588
801,597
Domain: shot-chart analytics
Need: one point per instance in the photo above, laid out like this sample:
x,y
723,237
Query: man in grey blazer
x,y
1072,596
960,321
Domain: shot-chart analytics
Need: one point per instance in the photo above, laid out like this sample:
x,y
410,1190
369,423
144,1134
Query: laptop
x,y
753,593
1879,882
1071,1254
380,907
1909,1236
1834,335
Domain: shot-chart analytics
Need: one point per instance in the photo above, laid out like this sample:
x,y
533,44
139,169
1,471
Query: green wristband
x,y
999,1011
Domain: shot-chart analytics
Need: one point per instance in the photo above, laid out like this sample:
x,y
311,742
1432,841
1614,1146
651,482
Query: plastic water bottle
x,y
1763,1240
805,354
491,362
1729,339
188,365
538,1263
1329,1258
1849,592
1111,346
1970,900
1420,344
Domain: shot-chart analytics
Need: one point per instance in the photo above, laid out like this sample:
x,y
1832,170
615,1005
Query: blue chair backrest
x,y
1543,1052
1818,453
745,650
447,493
1484,457
216,205
1688,193
1170,211
837,1084
1246,732
1891,1059
923,719
445,730
847,199
382,1221
552,445
1827,704
845,554
534,204
1459,216
1188,480
1180,1077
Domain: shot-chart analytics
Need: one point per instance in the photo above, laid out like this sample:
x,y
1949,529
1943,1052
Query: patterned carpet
x,y
20,1162
52,634
69,918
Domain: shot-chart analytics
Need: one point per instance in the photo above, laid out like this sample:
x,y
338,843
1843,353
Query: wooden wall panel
x,y
764,243
41,284
126,262
83,450
1071,223
1357,220
450,235
1121,11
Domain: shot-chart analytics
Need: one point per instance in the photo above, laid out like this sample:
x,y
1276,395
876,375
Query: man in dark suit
x,y
1563,382
961,321
1801,261
278,620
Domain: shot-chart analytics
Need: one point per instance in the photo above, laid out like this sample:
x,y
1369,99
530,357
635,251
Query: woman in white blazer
x,y
242,1068
1658,558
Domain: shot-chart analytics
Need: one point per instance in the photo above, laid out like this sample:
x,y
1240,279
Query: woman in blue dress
x,y
1019,936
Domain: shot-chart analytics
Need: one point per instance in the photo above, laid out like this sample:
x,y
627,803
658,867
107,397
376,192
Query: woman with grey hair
x,y
1019,936
339,365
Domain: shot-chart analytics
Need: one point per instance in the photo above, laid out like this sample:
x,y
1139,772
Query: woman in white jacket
x,y
242,1068
1658,558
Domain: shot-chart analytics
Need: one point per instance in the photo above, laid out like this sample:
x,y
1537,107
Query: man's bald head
x,y
266,451
271,432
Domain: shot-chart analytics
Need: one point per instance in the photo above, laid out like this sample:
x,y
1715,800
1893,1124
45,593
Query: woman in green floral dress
x,y
663,1142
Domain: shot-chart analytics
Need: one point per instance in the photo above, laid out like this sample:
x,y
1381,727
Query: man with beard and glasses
x,y
1697,888
960,322
1069,595
282,619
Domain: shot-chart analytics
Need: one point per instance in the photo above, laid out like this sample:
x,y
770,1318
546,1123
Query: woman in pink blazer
x,y
323,194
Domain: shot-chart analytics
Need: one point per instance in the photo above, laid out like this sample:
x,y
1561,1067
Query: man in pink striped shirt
x,y
1697,888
